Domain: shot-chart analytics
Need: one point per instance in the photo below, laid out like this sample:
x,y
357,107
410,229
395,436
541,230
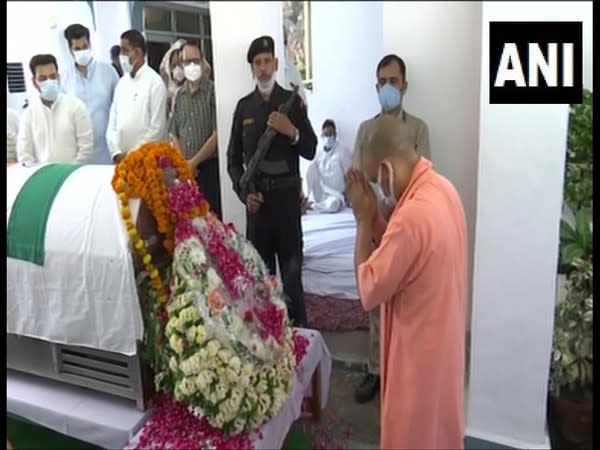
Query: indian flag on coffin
x,y
70,275
26,228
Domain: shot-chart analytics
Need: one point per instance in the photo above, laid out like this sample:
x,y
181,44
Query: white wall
x,y
441,45
521,172
347,44
583,10
234,26
112,19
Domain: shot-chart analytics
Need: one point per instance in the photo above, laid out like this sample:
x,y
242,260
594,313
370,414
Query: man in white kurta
x,y
139,109
325,174
93,82
56,127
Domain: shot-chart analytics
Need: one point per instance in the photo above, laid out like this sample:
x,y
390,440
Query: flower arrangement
x,y
173,425
218,332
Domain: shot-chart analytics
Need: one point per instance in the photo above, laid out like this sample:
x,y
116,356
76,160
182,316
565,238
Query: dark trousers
x,y
208,180
276,230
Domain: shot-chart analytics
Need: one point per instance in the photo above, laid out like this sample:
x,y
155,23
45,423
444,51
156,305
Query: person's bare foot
x,y
9,445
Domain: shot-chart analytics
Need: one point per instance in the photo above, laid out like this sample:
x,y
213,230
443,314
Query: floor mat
x,y
334,314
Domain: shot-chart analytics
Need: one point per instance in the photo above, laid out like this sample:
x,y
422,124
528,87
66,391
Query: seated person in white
x,y
56,127
325,174
12,130
139,110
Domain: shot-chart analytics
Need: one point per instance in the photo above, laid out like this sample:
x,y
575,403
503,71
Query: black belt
x,y
276,184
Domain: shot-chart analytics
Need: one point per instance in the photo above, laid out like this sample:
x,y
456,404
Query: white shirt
x,y
325,180
12,131
291,76
59,133
138,113
96,91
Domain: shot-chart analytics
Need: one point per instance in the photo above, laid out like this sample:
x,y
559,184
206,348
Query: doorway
x,y
165,23
155,53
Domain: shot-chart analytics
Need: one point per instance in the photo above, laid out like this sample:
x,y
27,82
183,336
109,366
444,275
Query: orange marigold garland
x,y
139,175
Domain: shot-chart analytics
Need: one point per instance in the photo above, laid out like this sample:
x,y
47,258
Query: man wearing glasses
x,y
194,125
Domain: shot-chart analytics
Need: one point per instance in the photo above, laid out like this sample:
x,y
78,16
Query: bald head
x,y
385,140
388,145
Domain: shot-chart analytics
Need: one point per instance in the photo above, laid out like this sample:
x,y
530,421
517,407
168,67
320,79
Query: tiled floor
x,y
350,351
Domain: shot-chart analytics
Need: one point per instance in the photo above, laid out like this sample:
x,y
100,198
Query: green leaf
x,y
571,252
567,232
582,226
557,355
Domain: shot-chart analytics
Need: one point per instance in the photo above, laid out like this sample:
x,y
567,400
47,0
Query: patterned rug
x,y
334,314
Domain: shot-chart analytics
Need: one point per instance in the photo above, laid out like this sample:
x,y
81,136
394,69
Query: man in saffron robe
x,y
418,275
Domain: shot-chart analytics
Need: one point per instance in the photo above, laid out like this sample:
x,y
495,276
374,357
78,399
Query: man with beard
x,y
273,208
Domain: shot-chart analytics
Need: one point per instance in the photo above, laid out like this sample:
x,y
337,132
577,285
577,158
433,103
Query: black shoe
x,y
368,388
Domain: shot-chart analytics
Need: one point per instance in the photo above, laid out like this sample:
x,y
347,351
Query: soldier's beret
x,y
263,44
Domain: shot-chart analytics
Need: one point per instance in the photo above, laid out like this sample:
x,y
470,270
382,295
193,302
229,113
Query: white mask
x,y
266,87
328,142
125,64
82,57
178,74
193,72
389,201
49,90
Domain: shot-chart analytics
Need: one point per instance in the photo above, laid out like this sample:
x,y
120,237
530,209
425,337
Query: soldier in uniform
x,y
391,87
273,209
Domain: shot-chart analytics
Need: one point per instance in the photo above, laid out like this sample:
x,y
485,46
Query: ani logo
x,y
536,62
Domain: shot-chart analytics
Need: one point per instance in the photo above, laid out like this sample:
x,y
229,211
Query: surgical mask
x,y
266,87
193,72
125,64
389,201
178,74
328,142
390,97
49,90
82,57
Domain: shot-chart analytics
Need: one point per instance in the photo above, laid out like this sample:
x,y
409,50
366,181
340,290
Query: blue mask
x,y
390,97
328,142
49,90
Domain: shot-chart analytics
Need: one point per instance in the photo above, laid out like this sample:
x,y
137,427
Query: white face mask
x,y
193,72
328,142
389,201
49,90
82,57
125,64
266,87
178,74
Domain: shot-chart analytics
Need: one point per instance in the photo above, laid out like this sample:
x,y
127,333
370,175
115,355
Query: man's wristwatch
x,y
296,137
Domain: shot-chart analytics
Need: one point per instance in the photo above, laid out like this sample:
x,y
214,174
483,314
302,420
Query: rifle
x,y
247,180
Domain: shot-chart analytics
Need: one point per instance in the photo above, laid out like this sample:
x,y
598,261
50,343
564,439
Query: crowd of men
x,y
95,112
410,255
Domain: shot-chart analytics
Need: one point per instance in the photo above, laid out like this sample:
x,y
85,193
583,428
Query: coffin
x,y
76,317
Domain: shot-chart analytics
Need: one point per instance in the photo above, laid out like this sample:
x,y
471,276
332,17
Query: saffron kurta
x,y
419,277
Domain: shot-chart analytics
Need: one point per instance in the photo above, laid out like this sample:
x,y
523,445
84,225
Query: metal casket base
x,y
102,371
